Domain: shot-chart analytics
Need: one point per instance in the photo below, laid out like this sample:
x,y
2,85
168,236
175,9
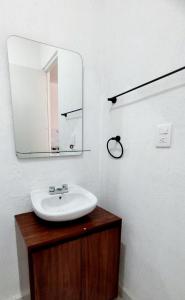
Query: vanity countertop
x,y
37,232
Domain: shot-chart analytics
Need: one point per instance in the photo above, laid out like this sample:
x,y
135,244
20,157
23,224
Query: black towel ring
x,y
117,139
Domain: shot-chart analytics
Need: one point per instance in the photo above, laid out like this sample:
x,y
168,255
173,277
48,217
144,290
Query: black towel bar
x,y
114,98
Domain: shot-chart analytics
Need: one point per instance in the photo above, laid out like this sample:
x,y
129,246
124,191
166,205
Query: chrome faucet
x,y
60,190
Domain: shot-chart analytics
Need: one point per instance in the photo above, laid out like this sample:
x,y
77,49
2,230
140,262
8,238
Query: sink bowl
x,y
75,204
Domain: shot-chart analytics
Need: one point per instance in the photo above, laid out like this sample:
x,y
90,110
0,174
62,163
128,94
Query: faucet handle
x,y
65,187
51,189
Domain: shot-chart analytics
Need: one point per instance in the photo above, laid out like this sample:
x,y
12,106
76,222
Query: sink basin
x,y
77,203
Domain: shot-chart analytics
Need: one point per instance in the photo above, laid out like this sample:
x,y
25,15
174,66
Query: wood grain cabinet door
x,y
100,265
56,272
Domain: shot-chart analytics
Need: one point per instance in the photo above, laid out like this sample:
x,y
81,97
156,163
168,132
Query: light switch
x,y
163,136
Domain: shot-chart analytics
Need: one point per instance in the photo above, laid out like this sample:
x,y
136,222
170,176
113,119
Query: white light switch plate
x,y
163,135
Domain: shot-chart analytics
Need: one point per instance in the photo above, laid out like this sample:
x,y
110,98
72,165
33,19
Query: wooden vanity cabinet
x,y
76,260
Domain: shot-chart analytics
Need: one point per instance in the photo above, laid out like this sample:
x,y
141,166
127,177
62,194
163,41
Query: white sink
x,y
77,203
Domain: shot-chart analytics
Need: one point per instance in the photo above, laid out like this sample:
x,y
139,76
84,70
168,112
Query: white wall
x,y
70,79
23,52
145,39
30,111
123,43
29,100
46,54
71,26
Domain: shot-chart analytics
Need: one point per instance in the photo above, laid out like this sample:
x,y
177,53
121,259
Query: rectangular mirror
x,y
47,92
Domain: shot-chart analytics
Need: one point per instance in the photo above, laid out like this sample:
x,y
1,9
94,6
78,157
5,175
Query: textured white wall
x,y
30,98
123,43
23,52
145,39
64,23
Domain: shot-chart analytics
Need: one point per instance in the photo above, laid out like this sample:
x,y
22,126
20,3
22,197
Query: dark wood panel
x,y
100,252
37,232
22,255
56,272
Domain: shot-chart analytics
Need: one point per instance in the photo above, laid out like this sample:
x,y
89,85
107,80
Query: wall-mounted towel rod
x,y
114,98
69,112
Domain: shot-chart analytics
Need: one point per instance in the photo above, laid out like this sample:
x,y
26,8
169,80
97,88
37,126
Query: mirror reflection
x,y
46,87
